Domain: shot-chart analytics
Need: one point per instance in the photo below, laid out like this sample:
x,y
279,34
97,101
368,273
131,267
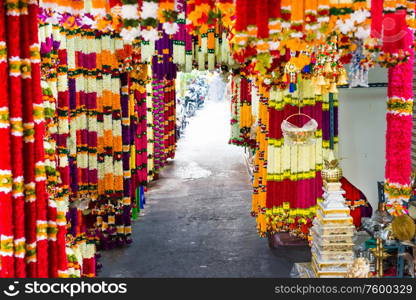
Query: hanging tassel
x,y
321,80
318,90
333,88
306,69
328,68
342,80
292,87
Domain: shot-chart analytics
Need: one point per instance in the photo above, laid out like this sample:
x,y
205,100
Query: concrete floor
x,y
197,219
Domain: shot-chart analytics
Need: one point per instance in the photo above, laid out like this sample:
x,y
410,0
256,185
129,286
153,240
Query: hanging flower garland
x,y
39,133
260,163
311,20
168,15
149,14
170,119
226,10
131,21
246,117
386,45
158,125
240,40
7,187
180,36
201,16
150,128
235,110
53,188
398,138
62,143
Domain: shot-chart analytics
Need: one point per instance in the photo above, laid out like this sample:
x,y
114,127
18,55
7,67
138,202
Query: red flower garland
x,y
39,127
62,147
262,19
376,18
242,12
28,138
6,212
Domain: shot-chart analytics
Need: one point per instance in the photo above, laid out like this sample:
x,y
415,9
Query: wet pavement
x,y
197,222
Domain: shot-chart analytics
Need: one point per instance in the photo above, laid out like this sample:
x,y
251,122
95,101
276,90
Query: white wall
x,y
362,127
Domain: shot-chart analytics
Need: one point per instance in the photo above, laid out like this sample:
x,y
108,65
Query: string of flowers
x,y
39,133
201,16
54,190
123,219
180,36
62,145
141,130
235,110
167,15
10,71
246,117
138,163
21,117
131,20
170,119
148,15
398,137
158,125
28,122
78,240
260,162
150,128
226,9
118,143
241,112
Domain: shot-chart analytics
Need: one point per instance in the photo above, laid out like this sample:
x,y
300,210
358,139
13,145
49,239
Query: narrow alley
x,y
196,220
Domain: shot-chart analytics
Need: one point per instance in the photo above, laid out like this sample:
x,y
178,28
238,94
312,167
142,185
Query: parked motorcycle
x,y
181,117
187,105
190,103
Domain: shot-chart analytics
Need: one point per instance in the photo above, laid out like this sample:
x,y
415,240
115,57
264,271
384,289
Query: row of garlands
x,y
92,117
294,54
85,125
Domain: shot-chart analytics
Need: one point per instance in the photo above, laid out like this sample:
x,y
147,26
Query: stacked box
x,y
332,234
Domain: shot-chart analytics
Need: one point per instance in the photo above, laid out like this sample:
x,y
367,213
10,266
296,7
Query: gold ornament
x,y
331,172
380,255
333,88
403,228
342,79
328,68
321,80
